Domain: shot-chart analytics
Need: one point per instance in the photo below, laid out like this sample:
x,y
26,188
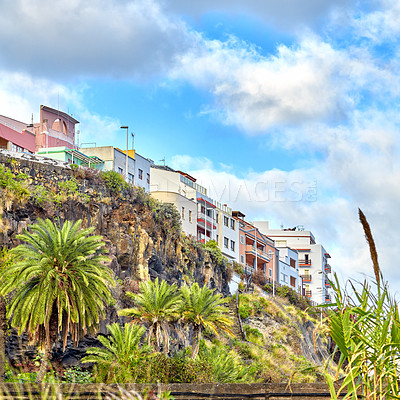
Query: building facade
x,y
201,216
288,271
138,172
72,156
313,259
16,135
55,129
257,252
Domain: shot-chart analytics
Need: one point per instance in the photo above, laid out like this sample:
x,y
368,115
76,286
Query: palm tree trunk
x,y
3,327
196,342
43,365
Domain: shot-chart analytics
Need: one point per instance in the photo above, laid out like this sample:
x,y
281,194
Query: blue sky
x,y
286,110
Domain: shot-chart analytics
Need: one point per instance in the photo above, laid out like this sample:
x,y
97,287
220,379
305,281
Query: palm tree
x,y
5,262
156,306
202,308
60,284
122,353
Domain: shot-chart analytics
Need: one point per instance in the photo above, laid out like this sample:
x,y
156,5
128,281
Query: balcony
x,y
306,277
304,263
328,298
327,284
252,250
327,269
308,293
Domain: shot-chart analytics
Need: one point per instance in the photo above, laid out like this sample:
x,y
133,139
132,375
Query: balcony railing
x,y
328,298
327,284
327,268
308,293
304,262
306,278
252,249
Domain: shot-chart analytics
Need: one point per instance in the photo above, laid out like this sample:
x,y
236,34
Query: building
x,y
138,173
228,232
201,216
72,156
314,268
55,129
257,252
16,135
288,271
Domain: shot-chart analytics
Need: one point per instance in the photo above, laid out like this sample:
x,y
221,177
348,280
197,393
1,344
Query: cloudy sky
x,y
285,109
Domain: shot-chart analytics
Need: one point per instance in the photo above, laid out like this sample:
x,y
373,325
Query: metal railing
x,y
304,262
306,277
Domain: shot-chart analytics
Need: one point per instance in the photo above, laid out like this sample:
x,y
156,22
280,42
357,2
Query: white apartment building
x,y
288,269
228,232
201,216
138,173
314,268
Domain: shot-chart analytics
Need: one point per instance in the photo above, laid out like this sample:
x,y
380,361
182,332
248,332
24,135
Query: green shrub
x,y
76,375
114,181
245,311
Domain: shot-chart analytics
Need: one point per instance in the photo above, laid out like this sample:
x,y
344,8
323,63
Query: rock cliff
x,y
143,237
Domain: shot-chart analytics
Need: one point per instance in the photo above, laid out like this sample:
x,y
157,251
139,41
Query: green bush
x,y
114,181
162,369
245,311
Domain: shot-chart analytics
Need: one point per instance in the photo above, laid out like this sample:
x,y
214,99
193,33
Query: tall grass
x,y
365,325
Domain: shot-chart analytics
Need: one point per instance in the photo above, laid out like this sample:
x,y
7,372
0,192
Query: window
x,y
242,258
120,170
140,174
293,263
130,178
183,212
292,281
190,215
226,221
17,148
242,239
148,178
270,272
232,245
226,242
232,224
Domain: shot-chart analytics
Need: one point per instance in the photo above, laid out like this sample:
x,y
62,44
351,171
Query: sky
x,y
286,110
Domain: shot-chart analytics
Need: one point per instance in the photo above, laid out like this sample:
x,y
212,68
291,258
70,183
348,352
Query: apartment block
x,y
202,217
138,172
313,259
288,270
257,252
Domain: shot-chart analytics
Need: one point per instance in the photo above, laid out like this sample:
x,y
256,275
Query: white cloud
x,y
312,81
70,38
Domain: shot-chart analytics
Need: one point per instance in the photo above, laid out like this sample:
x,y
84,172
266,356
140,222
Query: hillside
x,y
144,240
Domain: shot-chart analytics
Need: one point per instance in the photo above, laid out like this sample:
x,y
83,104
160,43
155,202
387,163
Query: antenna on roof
x,y
163,160
32,119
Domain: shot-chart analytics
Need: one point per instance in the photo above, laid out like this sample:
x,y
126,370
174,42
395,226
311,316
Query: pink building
x,y
55,129
257,252
16,135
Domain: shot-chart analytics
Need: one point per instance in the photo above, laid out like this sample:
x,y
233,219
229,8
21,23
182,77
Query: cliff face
x,y
142,237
